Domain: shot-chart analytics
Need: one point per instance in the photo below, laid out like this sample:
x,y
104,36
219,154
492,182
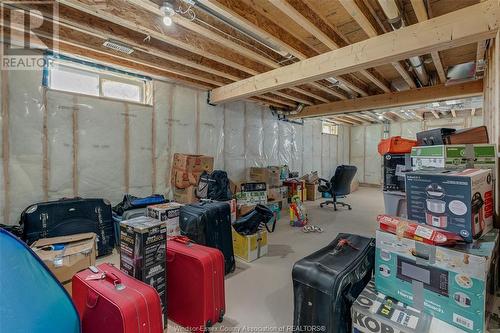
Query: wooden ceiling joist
x,y
395,99
443,32
436,59
420,10
435,114
361,17
453,113
247,17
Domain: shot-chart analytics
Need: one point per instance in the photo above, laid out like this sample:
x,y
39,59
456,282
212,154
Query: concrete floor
x,y
259,295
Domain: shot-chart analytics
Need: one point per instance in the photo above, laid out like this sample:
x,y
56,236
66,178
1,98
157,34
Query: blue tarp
x,y
31,298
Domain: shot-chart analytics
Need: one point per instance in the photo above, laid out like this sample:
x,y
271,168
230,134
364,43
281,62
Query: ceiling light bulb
x,y
167,20
380,117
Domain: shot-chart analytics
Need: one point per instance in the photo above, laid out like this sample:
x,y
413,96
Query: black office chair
x,y
339,186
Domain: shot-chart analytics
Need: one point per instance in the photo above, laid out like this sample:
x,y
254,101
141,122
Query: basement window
x,y
93,80
330,128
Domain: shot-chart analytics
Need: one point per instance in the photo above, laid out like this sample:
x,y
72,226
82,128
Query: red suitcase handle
x,y
92,298
113,278
181,239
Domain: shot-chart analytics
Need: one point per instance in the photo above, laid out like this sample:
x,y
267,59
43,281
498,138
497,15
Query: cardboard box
x,y
168,213
234,209
311,178
480,156
454,284
312,192
193,163
274,193
250,248
143,252
78,253
269,175
185,196
251,198
244,209
186,169
458,201
374,312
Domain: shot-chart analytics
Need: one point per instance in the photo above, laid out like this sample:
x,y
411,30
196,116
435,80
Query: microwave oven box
x,y
480,156
460,201
375,312
454,284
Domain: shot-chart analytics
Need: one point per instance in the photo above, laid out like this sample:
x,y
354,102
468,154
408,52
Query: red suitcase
x,y
112,301
195,288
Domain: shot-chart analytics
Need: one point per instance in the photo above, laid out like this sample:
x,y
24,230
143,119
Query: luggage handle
x,y
92,298
181,239
113,278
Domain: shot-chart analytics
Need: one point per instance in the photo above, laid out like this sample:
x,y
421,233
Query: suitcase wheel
x,y
221,316
208,324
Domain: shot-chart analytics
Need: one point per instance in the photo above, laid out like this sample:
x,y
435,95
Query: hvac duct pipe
x,y
396,21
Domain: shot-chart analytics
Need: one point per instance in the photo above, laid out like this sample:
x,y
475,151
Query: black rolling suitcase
x,y
209,224
70,216
326,283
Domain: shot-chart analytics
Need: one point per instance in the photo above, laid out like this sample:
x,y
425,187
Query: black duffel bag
x,y
130,202
252,221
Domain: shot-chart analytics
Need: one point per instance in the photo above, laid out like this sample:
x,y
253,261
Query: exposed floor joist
x,y
362,19
395,99
443,32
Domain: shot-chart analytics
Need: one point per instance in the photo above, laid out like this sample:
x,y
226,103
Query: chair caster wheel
x,y
335,209
350,208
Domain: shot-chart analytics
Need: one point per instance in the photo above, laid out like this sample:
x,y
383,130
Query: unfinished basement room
x,y
250,166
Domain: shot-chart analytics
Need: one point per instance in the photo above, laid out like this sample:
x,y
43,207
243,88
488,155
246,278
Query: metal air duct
x,y
397,22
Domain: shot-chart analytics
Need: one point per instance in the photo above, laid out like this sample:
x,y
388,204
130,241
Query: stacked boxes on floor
x,y
143,252
420,286
186,171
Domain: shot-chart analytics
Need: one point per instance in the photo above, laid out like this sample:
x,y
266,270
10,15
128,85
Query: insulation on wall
x,y
63,144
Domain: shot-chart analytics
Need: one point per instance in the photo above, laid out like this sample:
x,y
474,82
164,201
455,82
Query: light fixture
x,y
435,104
168,11
381,117
167,20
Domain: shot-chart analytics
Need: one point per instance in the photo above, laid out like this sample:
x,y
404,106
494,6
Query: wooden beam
x,y
395,99
443,32
307,25
398,114
420,10
473,112
435,114
357,118
453,113
348,120
343,122
250,19
328,90
352,8
362,19
379,81
439,66
404,74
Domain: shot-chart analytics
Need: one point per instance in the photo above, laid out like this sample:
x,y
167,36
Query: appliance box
x,y
395,167
480,156
460,201
168,213
454,284
374,312
143,252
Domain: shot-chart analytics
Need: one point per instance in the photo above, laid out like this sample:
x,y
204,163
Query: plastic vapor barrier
x,y
63,144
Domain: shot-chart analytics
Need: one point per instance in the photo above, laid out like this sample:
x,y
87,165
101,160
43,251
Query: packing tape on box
x,y
469,155
418,294
425,254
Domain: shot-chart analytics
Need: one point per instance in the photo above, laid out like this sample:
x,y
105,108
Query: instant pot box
x,y
460,201
374,312
454,284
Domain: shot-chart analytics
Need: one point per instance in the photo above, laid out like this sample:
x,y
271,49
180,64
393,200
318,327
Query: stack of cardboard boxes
x,y
185,173
311,186
423,287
